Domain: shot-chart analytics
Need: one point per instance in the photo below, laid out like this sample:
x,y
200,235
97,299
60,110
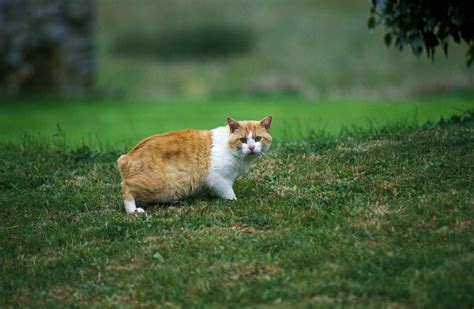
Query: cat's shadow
x,y
203,197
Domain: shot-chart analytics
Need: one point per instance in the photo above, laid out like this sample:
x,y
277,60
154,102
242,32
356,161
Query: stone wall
x,y
47,46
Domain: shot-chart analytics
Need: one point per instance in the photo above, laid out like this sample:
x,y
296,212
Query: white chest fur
x,y
225,165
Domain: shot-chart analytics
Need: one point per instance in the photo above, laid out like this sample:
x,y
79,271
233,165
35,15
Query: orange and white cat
x,y
171,166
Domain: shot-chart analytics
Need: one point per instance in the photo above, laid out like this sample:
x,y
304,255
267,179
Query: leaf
x,y
445,48
456,36
371,23
157,256
381,4
457,20
400,41
387,39
416,45
470,61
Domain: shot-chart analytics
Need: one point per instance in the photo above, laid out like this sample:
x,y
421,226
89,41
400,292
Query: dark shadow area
x,y
201,41
202,196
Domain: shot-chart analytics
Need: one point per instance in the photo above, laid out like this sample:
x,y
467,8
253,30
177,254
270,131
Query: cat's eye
x,y
258,138
243,140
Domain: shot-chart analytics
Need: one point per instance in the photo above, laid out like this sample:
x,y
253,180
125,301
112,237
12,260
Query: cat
x,y
169,167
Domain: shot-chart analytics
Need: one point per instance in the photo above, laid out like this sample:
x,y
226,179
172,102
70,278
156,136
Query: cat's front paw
x,y
139,210
231,197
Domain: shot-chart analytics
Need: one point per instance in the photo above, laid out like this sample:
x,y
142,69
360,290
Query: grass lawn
x,y
368,220
105,123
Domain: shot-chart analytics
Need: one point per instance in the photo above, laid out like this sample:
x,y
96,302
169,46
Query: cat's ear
x,y
233,124
266,122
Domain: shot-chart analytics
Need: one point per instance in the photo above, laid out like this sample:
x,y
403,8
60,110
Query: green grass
x,y
375,219
123,122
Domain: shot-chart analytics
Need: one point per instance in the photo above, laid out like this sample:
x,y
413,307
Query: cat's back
x,y
183,145
174,162
182,142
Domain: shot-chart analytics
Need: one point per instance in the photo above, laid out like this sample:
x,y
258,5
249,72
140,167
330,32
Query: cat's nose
x,y
251,147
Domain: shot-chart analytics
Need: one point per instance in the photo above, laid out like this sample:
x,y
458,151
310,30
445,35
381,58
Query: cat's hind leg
x,y
129,201
130,206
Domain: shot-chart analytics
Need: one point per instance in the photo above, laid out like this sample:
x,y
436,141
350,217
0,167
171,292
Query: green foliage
x,y
369,219
425,24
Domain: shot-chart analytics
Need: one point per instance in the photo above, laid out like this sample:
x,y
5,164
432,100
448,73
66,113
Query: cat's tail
x,y
123,163
121,158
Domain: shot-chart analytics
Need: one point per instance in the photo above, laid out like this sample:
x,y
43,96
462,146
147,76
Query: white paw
x,y
231,197
140,210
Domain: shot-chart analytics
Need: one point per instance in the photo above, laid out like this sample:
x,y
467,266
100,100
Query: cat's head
x,y
249,138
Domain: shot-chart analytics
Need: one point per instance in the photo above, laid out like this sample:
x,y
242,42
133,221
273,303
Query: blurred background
x,y
311,48
133,68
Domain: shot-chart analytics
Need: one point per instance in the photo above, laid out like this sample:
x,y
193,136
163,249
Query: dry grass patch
x,y
376,216
365,147
235,272
64,294
233,229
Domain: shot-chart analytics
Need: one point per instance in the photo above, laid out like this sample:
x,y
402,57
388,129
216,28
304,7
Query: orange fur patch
x,y
166,167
